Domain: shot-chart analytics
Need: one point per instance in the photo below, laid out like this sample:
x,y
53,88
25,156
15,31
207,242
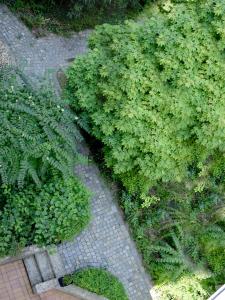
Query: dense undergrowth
x,y
63,17
41,201
98,281
56,212
182,240
153,93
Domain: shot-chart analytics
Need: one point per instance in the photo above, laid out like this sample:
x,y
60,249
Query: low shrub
x,y
98,281
57,212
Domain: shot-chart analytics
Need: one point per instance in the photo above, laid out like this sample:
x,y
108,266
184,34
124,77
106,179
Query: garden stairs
x,y
43,270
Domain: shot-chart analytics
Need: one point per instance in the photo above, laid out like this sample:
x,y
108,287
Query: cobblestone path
x,y
106,242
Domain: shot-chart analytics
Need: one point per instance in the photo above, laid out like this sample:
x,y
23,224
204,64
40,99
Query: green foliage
x,y
185,288
37,134
98,281
153,93
62,17
40,200
80,6
55,213
182,240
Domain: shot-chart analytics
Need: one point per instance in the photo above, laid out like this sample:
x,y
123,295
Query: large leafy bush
x,y
37,133
153,93
53,214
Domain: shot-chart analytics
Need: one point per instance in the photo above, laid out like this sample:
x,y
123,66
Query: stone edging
x,y
80,293
30,250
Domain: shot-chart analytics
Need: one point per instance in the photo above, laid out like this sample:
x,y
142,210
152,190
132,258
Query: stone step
x,y
44,265
32,270
46,286
56,262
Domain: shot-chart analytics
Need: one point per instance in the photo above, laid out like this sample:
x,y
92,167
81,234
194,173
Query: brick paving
x,y
57,295
14,283
106,242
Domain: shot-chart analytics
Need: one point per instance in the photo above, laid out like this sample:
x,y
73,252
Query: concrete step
x,y
56,262
44,265
32,270
43,269
46,286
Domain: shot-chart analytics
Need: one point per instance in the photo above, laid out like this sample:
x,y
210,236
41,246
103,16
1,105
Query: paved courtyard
x,y
106,242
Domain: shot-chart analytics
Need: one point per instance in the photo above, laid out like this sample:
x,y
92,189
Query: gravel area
x,y
5,58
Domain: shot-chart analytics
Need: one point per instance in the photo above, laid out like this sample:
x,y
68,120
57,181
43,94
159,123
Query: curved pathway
x,y
106,242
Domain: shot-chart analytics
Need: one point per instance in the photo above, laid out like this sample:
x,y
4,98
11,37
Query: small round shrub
x,y
57,212
98,281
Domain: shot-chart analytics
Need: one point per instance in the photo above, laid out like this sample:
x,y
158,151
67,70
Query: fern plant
x,y
182,240
37,133
181,256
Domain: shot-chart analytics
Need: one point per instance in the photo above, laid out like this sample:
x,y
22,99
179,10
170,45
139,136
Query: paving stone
x,y
110,242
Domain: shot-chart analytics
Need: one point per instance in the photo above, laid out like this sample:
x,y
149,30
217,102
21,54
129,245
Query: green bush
x,y
98,281
62,17
76,7
80,6
55,213
182,240
37,133
153,93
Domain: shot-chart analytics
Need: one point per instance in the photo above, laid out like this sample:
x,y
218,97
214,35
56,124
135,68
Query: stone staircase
x,y
44,268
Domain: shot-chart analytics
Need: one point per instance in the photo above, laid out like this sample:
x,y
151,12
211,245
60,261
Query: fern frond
x,y
37,127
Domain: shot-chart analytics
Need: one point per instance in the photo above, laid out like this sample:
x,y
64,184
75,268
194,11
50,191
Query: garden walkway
x,y
106,242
